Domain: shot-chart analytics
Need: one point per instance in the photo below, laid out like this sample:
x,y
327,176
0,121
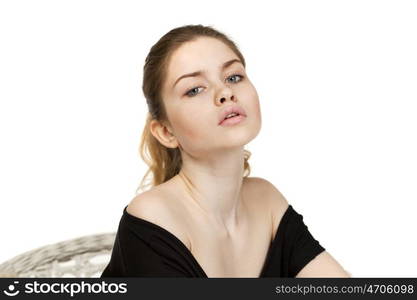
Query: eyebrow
x,y
198,73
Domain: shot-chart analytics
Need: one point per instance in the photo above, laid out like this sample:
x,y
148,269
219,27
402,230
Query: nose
x,y
225,94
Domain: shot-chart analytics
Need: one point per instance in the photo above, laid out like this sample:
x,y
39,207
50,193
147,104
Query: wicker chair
x,y
81,257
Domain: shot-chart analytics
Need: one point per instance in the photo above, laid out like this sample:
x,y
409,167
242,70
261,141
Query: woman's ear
x,y
163,133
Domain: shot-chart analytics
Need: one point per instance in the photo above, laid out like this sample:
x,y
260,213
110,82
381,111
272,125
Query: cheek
x,y
258,108
190,127
253,103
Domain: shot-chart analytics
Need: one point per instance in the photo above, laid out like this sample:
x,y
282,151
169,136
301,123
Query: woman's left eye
x,y
234,76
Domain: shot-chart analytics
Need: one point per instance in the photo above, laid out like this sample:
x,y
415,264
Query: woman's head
x,y
184,111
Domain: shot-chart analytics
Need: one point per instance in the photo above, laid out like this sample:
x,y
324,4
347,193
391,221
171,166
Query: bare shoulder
x,y
147,205
275,201
272,195
156,207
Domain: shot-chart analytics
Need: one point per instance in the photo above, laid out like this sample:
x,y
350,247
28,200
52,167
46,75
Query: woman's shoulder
x,y
272,198
268,190
153,206
145,204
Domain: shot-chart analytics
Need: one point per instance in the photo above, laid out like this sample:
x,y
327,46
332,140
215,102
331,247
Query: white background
x,y
337,85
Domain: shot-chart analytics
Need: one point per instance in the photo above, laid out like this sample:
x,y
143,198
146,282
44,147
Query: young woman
x,y
203,215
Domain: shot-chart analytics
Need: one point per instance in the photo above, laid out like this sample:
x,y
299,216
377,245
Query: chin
x,y
241,137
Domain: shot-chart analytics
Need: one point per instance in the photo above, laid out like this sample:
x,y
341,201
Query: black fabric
x,y
144,249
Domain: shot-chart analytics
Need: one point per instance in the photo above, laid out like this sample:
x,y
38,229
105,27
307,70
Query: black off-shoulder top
x,y
144,249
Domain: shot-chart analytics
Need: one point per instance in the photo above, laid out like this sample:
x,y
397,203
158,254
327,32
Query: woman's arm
x,y
323,265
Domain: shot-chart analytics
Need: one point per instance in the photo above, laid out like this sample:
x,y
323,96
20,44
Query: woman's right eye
x,y
190,93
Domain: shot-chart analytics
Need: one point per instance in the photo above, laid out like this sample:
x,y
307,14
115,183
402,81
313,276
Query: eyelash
x,y
188,92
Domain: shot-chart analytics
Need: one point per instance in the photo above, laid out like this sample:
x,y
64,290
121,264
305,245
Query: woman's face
x,y
193,103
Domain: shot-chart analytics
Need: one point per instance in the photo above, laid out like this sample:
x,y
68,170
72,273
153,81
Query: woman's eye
x,y
234,76
194,91
191,92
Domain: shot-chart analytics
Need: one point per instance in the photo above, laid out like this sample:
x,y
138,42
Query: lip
x,y
232,121
231,109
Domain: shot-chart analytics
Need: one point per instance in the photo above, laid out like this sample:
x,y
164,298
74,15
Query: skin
x,y
212,155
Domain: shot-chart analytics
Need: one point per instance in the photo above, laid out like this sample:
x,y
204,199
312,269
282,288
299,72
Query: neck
x,y
213,185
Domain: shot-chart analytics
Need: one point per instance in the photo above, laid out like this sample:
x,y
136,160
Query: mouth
x,y
232,119
231,115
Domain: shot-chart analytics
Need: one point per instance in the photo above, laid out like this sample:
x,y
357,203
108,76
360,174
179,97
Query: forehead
x,y
199,54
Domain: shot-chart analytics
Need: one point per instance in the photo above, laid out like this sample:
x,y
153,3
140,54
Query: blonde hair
x,y
164,163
